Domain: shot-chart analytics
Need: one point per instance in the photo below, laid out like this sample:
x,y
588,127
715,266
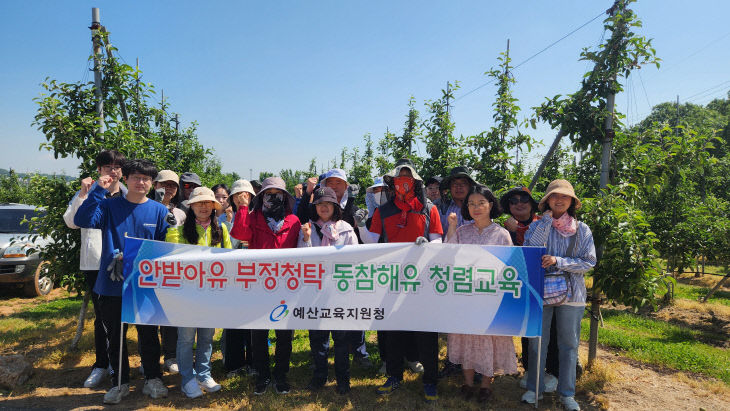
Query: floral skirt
x,y
486,354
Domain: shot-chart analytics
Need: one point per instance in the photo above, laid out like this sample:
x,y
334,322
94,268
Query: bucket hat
x,y
273,182
399,165
559,187
201,194
240,186
166,175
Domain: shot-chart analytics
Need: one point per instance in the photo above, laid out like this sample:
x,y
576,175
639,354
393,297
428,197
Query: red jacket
x,y
252,227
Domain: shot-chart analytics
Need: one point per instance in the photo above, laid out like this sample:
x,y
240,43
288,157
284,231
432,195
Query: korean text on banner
x,y
462,288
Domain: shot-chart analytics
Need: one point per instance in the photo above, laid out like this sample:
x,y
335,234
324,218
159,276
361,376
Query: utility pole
x,y
250,174
448,97
136,87
96,41
503,134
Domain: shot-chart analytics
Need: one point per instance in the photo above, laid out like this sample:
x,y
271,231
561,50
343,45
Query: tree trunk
x,y
82,320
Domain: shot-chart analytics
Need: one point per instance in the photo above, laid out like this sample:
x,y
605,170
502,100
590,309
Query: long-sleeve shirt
x,y
541,234
117,217
90,247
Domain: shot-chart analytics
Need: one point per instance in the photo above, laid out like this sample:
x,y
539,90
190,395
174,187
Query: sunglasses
x,y
514,200
190,185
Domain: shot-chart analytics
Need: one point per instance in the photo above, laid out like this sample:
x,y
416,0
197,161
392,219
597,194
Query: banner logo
x,y
279,312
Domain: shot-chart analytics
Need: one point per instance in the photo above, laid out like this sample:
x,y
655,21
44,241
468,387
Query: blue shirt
x,y
117,217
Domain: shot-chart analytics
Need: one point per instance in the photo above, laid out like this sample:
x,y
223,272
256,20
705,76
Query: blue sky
x,y
273,84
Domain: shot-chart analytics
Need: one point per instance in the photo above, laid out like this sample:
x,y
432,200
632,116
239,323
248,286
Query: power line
x,y
644,88
536,54
705,91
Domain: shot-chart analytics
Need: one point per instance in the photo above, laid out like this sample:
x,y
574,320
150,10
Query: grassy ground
x,y
41,330
657,342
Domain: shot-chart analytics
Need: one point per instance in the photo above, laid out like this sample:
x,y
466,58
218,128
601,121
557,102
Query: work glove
x,y
360,217
116,267
421,240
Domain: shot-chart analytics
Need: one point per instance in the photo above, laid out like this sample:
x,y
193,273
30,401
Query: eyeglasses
x,y
112,167
139,179
459,185
479,204
514,200
190,185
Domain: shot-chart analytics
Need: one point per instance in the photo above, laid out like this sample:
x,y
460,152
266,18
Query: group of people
x,y
400,207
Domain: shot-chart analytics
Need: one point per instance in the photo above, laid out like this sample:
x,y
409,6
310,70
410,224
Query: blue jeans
x,y
203,351
567,320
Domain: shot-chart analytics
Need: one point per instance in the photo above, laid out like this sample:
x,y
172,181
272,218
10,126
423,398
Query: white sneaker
x,y
551,383
570,404
383,369
523,382
95,378
115,395
415,366
154,388
171,366
209,385
192,389
530,398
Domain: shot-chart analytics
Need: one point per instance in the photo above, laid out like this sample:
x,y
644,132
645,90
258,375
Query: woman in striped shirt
x,y
570,250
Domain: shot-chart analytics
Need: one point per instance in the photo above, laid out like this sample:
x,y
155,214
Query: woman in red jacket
x,y
269,225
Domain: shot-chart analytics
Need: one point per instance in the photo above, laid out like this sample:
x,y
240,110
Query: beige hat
x,y
240,186
559,187
167,175
201,194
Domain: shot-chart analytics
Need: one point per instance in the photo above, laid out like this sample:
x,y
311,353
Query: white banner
x,y
432,287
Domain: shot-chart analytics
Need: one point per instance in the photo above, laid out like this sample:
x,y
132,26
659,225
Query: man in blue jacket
x,y
132,215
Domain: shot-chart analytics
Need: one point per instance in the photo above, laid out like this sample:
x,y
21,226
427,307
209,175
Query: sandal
x,y
484,394
467,391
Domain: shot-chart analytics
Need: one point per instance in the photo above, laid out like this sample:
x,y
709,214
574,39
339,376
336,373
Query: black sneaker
x,y
282,387
315,384
261,386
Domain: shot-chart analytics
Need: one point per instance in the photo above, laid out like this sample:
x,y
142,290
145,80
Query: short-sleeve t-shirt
x,y
415,225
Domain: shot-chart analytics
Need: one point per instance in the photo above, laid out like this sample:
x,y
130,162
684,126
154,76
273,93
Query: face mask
x,y
273,206
404,187
380,198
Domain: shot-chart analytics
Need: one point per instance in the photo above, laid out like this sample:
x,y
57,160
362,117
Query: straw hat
x,y
201,194
558,187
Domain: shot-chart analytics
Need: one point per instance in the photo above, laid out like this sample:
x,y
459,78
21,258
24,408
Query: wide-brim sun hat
x,y
559,187
273,182
201,194
504,200
242,186
166,175
401,164
457,172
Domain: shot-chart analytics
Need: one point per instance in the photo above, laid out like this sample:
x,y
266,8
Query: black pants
x,y
169,342
282,356
319,344
238,349
552,360
100,340
149,343
427,343
411,349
